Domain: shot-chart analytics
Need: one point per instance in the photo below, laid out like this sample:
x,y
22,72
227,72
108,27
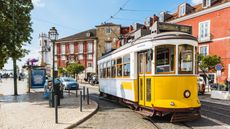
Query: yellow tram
x,y
157,73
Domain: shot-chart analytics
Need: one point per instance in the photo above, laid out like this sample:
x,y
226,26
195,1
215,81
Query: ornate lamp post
x,y
53,36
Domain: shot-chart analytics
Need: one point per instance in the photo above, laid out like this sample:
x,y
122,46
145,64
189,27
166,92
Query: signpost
x,y
218,68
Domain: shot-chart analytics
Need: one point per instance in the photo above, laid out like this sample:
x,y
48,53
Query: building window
x,y
101,71
90,47
204,31
182,10
90,65
90,57
204,50
80,47
109,69
126,65
119,67
108,30
165,56
63,57
71,47
63,48
185,59
113,68
206,3
80,57
108,46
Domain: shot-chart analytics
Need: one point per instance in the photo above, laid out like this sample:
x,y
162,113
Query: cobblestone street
x,y
31,111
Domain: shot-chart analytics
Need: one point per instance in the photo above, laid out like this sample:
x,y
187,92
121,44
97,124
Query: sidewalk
x,y
31,111
207,98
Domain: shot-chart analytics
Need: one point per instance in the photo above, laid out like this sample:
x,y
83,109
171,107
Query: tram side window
x,y
126,65
109,69
113,72
119,67
165,59
101,70
104,70
185,59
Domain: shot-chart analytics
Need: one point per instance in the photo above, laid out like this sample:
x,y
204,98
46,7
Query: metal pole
x,y
80,101
53,66
87,90
83,93
56,108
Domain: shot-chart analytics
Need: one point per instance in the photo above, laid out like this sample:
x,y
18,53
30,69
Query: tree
x,y
61,71
75,68
15,31
208,63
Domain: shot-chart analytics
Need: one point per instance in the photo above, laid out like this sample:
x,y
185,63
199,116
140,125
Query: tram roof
x,y
154,37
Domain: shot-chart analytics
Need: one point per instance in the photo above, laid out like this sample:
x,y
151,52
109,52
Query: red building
x,y
79,48
210,22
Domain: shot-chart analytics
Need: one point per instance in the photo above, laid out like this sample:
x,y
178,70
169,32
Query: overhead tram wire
x,y
118,11
135,10
125,19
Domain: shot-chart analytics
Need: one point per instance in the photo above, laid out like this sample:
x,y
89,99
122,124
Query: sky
x,y
73,16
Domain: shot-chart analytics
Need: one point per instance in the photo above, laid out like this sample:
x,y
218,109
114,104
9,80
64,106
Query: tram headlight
x,y
187,93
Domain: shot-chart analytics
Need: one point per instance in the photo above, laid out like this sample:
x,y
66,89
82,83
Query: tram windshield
x,y
165,59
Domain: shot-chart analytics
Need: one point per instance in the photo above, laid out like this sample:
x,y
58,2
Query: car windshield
x,y
68,80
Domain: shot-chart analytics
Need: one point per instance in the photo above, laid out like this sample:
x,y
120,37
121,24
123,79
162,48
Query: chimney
x,y
155,19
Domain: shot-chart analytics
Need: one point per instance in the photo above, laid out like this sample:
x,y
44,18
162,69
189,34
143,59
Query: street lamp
x,y
53,35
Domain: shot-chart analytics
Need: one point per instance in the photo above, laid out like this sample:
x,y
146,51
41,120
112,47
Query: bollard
x,y
56,108
87,91
83,93
80,101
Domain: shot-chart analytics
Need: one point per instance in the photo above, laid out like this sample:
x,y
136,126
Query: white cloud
x,y
38,3
195,2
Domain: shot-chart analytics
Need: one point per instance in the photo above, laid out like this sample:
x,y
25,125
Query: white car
x,y
201,85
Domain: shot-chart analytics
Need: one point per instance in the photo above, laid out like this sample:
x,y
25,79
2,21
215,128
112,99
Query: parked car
x,y
69,83
216,86
201,85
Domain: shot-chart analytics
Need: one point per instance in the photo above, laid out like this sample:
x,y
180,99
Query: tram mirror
x,y
150,54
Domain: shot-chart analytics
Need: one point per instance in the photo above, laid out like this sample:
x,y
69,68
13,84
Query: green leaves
x,y
208,62
15,28
75,68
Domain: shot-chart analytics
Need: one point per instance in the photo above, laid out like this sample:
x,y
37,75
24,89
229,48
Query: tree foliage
x,y
75,68
208,63
15,28
61,71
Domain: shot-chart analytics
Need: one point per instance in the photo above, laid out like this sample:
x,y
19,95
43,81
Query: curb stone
x,y
83,119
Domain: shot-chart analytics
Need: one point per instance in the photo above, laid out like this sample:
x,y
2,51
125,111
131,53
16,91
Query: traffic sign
x,y
218,67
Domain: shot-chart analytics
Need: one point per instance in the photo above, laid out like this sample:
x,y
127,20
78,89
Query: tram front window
x,y
165,59
185,62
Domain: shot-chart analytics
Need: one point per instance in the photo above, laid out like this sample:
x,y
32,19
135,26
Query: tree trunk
x,y
15,77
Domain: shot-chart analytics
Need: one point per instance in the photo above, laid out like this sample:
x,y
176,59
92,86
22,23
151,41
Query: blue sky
x,y
73,16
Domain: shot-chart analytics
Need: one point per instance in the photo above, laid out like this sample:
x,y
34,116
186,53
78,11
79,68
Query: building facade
x,y
45,51
210,24
77,48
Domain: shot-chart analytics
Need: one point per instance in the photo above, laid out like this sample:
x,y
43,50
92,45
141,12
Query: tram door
x,y
144,81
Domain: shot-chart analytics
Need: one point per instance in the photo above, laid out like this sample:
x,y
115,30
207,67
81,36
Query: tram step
x,y
184,116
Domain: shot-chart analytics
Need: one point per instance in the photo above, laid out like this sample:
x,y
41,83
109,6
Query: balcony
x,y
205,39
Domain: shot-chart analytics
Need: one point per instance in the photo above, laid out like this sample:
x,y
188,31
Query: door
x,y
144,78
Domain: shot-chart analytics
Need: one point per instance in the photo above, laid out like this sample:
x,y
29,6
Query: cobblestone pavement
x,y
31,111
111,115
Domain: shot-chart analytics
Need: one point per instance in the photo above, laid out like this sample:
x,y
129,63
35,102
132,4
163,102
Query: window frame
x,y
71,47
108,69
80,48
114,65
120,65
106,30
206,49
63,47
90,47
125,63
174,60
208,30
182,7
206,5
179,68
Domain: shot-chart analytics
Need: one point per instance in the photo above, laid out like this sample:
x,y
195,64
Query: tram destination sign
x,y
167,27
